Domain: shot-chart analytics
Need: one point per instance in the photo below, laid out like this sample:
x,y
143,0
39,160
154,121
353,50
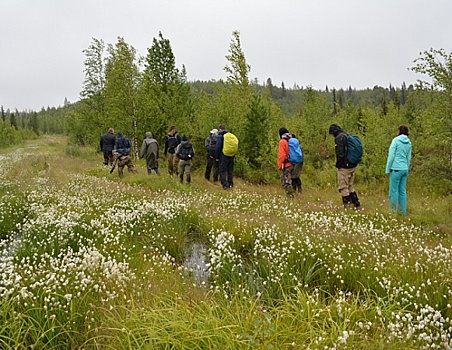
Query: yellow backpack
x,y
230,144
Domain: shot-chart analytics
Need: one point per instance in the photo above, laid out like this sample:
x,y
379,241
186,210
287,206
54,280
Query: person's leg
x,y
342,181
105,157
223,170
216,172
286,180
402,192
169,157
394,181
209,165
181,170
296,181
188,170
176,161
231,172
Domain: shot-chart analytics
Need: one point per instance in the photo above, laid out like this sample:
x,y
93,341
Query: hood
x,y
120,135
403,139
148,135
282,131
335,130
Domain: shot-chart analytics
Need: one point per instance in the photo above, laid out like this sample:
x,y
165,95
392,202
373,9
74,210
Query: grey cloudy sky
x,y
334,43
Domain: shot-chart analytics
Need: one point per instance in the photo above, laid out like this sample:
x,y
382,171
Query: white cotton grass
x,y
77,242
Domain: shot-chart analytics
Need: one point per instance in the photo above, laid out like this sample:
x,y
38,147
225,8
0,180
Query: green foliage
x,y
118,94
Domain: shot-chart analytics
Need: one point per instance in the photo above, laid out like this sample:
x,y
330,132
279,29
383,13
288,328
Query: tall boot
x,y
347,201
188,178
355,200
181,177
296,184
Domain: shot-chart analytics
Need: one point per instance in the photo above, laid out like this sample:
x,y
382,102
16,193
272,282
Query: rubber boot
x,y
296,185
355,200
347,201
181,177
188,178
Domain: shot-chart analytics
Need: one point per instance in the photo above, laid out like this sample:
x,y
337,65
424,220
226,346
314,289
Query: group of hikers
x,y
178,152
348,151
221,147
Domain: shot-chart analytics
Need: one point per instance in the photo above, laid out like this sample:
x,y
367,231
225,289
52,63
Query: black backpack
x,y
213,145
172,143
185,151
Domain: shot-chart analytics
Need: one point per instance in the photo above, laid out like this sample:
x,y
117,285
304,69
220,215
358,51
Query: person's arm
x,y
409,158
283,153
341,150
165,150
391,155
219,146
143,149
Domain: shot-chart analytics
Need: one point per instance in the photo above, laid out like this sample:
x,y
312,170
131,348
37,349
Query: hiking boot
x,y
289,190
347,202
355,200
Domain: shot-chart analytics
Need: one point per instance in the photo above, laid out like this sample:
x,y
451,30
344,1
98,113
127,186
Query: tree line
x,y
135,94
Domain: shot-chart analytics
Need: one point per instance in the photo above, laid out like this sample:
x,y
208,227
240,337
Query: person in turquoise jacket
x,y
398,166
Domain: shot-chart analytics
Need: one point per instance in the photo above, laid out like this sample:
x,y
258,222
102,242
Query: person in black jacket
x,y
172,140
210,145
107,145
345,169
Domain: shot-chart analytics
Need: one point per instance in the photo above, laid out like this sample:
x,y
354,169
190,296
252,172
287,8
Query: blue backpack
x,y
295,151
354,149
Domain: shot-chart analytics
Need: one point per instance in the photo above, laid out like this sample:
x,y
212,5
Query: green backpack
x,y
230,144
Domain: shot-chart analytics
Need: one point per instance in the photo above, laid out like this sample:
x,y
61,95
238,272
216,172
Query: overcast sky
x,y
334,43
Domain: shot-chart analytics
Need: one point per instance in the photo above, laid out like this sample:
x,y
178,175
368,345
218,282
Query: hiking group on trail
x,y
221,148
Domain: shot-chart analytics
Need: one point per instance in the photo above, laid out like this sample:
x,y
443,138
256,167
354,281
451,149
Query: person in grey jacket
x,y
150,150
398,166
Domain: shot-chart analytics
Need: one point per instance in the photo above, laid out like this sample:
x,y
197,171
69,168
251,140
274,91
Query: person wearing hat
x,y
210,145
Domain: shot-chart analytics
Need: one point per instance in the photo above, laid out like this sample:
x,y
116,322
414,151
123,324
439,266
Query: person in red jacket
x,y
284,165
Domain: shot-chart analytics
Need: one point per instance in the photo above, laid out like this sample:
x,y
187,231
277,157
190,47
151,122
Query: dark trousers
x,y
212,163
108,158
226,169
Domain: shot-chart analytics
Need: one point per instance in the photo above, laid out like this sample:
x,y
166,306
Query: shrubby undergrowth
x,y
93,262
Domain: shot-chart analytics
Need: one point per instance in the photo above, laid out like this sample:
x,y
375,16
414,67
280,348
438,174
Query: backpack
x,y
185,151
295,151
124,146
354,149
172,143
212,145
123,142
230,144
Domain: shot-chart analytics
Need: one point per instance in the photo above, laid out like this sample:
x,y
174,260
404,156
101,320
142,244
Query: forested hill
x,y
290,99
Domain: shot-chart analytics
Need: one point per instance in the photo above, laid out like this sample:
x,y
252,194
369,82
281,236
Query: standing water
x,y
195,262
